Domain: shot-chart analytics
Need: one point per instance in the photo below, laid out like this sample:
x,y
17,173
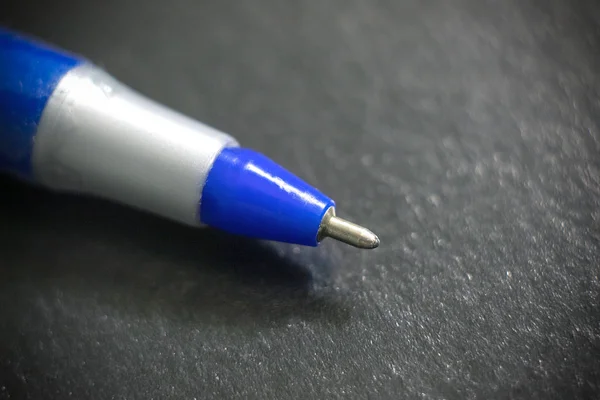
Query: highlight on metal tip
x,y
345,231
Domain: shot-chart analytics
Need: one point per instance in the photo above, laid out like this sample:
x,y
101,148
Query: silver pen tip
x,y
347,232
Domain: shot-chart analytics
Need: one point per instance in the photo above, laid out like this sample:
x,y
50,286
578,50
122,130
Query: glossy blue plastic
x,y
29,72
248,194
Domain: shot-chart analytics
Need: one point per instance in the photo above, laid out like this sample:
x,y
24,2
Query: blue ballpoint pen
x,y
67,125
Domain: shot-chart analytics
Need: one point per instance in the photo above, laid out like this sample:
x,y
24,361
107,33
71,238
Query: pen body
x,y
68,125
77,129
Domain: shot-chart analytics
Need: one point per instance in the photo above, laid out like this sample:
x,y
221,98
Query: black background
x,y
465,133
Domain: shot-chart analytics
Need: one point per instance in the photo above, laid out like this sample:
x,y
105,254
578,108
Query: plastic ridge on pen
x,y
67,125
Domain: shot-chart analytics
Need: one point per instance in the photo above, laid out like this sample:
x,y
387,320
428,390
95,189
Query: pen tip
x,y
369,240
346,232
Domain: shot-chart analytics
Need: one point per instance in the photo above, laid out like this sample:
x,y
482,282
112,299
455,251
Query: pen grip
x,y
29,73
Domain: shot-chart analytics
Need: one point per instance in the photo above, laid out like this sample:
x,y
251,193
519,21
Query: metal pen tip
x,y
347,232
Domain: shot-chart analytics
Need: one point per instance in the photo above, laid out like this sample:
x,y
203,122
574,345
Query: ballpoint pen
x,y
67,125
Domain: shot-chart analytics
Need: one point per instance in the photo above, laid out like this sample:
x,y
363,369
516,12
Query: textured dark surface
x,y
465,133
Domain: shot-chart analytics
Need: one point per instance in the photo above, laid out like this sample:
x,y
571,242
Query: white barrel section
x,y
99,137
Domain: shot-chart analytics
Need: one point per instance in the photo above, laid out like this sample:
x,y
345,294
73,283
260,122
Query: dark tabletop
x,y
465,133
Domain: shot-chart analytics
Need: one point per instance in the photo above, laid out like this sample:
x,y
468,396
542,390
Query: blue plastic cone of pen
x,y
67,125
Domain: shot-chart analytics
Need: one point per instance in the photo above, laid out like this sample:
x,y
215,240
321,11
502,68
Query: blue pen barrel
x,y
29,73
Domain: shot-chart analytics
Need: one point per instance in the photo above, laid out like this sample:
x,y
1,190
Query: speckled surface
x,y
465,133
